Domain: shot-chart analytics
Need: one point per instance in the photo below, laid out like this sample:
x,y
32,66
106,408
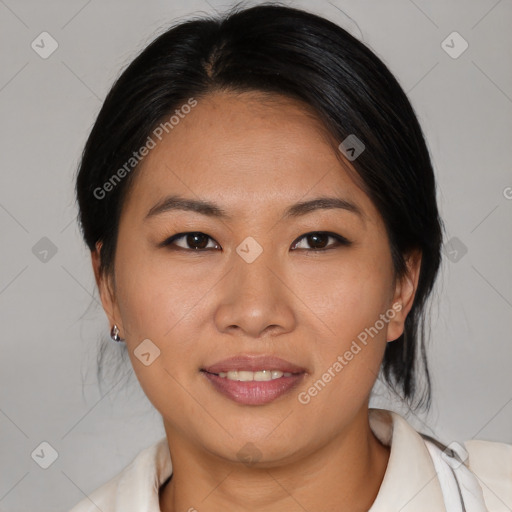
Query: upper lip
x,y
253,363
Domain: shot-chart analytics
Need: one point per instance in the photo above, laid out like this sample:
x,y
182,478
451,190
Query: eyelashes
x,y
192,237
199,242
315,236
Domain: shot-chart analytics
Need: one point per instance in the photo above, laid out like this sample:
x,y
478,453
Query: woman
x,y
260,207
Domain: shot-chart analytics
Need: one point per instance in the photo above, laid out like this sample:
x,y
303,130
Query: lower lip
x,y
254,392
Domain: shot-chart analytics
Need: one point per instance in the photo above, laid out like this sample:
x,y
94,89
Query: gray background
x,y
50,312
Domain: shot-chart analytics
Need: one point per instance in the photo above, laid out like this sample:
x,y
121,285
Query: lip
x,y
254,392
253,363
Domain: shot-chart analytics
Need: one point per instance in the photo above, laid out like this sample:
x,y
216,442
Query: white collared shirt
x,y
411,482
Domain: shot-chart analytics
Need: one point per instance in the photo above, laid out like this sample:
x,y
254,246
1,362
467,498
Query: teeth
x,y
261,375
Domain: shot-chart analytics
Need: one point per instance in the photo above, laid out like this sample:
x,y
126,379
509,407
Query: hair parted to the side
x,y
277,49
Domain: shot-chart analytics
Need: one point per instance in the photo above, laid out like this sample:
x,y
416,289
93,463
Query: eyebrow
x,y
210,209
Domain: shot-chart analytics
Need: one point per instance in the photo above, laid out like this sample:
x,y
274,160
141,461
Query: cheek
x,y
348,295
349,303
349,354
164,303
157,302
155,295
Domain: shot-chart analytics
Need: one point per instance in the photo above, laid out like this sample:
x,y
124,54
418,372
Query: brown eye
x,y
318,241
191,241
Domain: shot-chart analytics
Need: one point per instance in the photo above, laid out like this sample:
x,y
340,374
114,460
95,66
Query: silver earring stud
x,y
114,333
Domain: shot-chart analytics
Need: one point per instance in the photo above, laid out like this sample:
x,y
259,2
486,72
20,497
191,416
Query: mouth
x,y
254,380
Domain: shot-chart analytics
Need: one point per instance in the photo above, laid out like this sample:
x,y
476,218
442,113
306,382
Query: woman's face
x,y
251,284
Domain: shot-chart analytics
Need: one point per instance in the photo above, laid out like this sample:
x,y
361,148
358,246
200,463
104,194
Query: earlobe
x,y
405,291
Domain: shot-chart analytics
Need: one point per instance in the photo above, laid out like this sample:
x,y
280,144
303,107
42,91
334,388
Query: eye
x,y
197,241
194,240
318,239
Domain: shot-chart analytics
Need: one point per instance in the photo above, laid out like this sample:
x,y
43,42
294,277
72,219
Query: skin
x,y
254,158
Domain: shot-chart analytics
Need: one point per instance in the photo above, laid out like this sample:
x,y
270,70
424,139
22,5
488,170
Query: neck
x,y
345,474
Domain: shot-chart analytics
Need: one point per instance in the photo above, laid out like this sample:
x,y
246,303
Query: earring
x,y
114,333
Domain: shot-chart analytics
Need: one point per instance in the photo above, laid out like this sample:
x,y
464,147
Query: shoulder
x,y
136,484
103,498
491,462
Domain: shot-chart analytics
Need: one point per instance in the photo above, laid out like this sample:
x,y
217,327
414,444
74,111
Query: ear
x,y
106,290
405,291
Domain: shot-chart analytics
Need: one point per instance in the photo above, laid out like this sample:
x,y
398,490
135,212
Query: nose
x,y
255,300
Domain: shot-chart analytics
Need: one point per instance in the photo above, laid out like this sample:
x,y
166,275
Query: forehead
x,y
246,150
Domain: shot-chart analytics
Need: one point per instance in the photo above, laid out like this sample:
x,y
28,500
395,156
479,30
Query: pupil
x,y
198,245
316,237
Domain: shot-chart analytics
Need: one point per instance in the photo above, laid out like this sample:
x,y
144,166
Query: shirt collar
x,y
410,482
